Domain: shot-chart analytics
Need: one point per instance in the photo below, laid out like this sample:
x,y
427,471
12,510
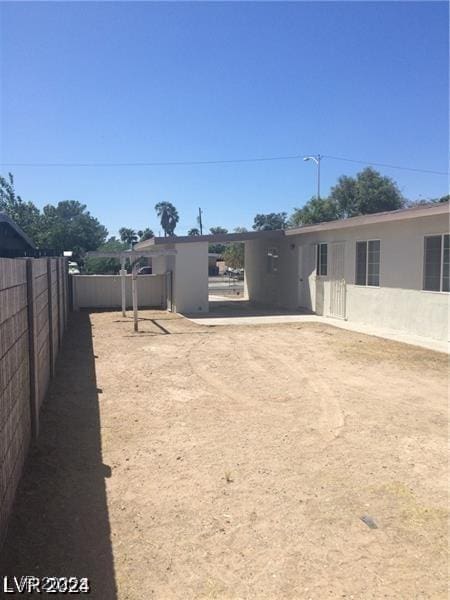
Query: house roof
x,y
4,218
423,210
216,238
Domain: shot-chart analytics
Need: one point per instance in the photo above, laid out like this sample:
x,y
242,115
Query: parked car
x,y
73,268
145,271
234,273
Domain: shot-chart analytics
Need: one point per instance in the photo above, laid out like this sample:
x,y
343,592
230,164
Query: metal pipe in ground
x,y
135,297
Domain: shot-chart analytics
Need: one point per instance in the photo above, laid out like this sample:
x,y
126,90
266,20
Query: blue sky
x,y
141,82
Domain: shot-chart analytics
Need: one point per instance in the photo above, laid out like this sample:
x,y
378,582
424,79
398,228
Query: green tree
x,y
106,266
368,192
270,221
217,248
314,211
234,255
194,231
25,214
168,215
128,236
69,226
145,234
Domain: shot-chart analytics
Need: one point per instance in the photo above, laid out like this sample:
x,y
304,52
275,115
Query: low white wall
x,y
104,291
416,312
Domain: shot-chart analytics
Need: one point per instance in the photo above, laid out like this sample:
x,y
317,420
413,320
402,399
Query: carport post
x,y
135,297
123,283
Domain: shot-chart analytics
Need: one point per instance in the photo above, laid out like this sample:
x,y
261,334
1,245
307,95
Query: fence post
x,y
60,306
50,317
34,392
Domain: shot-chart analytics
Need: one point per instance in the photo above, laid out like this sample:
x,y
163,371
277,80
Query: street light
x,y
317,158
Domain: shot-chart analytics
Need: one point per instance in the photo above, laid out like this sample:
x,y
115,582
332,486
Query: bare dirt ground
x,y
193,462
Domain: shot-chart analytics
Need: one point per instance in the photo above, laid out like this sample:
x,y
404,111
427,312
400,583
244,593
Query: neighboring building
x,y
13,241
213,268
390,270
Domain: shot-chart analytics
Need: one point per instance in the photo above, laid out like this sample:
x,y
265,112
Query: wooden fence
x,y
33,317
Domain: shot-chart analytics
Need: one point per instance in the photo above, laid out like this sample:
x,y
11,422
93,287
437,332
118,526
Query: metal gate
x,y
338,289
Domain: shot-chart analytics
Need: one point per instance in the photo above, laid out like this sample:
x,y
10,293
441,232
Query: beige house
x,y
390,270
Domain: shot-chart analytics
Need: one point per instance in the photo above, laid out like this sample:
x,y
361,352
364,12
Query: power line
x,y
215,162
156,164
377,164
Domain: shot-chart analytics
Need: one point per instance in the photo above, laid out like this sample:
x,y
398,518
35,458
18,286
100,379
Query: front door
x,y
336,274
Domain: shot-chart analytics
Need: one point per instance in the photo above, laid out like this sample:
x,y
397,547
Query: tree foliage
x,y
168,215
128,236
145,234
194,231
369,192
25,214
69,226
106,266
66,226
270,221
234,255
314,211
217,248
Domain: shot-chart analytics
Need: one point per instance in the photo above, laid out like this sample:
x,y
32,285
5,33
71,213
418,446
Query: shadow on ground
x,y
60,524
244,308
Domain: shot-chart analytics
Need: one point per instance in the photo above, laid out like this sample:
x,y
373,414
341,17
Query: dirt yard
x,y
193,462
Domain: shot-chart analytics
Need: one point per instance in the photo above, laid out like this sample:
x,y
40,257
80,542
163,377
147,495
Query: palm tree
x,y
194,231
128,236
145,234
168,215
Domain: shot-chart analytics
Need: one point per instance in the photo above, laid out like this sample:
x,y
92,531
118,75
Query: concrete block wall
x,y
33,316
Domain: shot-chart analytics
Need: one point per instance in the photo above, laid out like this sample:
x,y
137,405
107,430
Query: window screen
x,y
433,252
322,260
373,263
368,263
446,265
361,263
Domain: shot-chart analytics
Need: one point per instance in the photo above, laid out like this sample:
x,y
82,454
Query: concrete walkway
x,y
241,313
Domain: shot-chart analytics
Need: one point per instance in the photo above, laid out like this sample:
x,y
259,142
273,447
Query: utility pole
x,y
200,220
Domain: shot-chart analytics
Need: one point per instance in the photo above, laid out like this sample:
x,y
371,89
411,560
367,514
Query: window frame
x,y
366,279
441,266
319,263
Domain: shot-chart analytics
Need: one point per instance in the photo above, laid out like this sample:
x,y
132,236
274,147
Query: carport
x,y
189,266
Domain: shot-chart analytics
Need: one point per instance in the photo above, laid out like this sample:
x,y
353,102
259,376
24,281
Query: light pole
x,y
317,158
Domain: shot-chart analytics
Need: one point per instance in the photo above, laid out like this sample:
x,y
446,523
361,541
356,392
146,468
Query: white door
x,y
337,281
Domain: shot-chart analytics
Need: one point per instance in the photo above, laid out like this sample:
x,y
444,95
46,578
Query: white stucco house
x,y
387,269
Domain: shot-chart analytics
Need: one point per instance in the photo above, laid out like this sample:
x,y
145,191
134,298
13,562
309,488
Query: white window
x,y
368,263
436,263
322,260
272,260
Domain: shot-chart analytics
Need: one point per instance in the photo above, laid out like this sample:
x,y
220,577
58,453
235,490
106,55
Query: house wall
x,y
264,287
190,277
399,303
